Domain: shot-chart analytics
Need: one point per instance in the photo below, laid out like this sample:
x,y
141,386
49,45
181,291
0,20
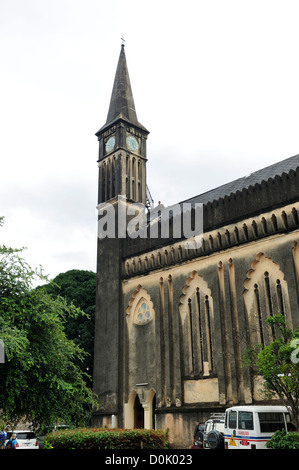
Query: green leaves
x,y
78,288
94,438
281,440
40,379
275,363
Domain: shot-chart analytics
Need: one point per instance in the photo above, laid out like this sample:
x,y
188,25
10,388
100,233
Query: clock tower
x,y
122,144
122,172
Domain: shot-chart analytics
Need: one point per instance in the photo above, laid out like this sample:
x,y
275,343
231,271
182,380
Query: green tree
x,y
78,287
40,379
283,440
278,363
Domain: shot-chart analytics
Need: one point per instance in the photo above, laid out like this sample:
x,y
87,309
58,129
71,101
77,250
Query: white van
x,y
250,427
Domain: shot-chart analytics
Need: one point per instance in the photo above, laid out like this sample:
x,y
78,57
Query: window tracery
x,y
142,313
140,309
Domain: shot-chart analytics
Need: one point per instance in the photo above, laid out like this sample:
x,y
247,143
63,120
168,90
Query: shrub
x,y
281,440
95,438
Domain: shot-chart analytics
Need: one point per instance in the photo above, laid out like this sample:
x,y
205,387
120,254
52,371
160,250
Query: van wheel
x,y
198,441
215,440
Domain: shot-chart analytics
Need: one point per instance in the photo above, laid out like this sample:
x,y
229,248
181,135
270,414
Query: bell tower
x,y
122,144
122,172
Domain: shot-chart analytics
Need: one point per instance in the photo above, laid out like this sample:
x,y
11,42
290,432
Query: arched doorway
x,y
138,414
153,413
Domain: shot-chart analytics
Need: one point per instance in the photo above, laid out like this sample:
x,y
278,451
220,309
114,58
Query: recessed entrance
x,y
138,414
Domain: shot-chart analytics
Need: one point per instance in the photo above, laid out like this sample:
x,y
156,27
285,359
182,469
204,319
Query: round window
x,y
143,314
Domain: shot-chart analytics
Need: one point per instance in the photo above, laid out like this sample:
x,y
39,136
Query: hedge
x,y
281,440
99,438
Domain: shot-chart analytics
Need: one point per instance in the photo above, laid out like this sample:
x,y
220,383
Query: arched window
x,y
265,295
113,178
196,310
109,185
104,181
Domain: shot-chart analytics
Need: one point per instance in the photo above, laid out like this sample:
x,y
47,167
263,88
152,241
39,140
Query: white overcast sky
x,y
216,82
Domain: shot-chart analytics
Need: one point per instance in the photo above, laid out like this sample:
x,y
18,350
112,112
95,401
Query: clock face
x,y
132,143
110,144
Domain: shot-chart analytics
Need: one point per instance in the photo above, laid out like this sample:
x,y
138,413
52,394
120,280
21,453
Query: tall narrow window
x,y
128,177
209,332
133,180
258,305
108,179
279,297
199,328
104,182
269,300
113,177
191,335
127,187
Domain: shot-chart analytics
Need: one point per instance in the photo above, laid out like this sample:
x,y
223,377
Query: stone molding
x,y
272,223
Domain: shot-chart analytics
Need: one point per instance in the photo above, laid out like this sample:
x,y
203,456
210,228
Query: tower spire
x,y
122,143
122,104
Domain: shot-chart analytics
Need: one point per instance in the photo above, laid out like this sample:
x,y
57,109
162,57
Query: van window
x,y
208,427
271,422
245,420
232,420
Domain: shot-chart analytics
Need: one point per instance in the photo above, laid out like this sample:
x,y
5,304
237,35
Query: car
x,y
198,436
26,439
213,434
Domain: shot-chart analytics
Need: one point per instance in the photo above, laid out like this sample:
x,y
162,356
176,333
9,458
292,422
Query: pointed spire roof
x,y
122,104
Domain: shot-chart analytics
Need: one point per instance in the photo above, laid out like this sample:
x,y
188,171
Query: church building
x,y
173,319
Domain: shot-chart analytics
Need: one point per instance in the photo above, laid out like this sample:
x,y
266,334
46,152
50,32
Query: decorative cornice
x,y
264,225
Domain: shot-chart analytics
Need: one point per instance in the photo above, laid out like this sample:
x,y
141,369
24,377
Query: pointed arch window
x,y
270,297
196,310
103,181
113,178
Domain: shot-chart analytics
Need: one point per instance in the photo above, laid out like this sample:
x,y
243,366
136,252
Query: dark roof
x,y
277,169
122,104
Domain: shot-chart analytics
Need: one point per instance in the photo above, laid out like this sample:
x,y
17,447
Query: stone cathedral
x,y
172,323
